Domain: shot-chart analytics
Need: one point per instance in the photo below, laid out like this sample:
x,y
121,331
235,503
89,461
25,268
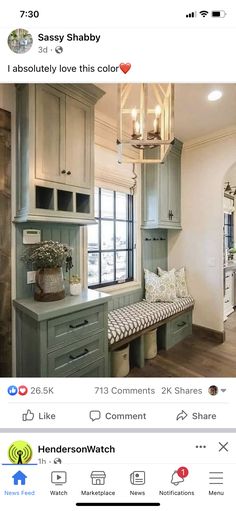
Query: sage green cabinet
x,y
67,338
55,152
161,191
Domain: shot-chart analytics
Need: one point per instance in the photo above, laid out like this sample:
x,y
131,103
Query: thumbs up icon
x,y
28,416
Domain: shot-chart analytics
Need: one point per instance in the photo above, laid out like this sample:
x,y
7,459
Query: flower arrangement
x,y
74,279
48,254
75,286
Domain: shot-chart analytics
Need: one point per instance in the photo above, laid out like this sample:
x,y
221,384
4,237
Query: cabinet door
x,y
149,195
174,187
78,144
163,193
50,134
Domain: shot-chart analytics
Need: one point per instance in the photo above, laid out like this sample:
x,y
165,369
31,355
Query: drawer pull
x,y
182,323
227,287
85,322
85,352
226,301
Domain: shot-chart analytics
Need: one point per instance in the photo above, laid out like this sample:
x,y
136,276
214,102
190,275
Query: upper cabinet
x,y
55,152
161,191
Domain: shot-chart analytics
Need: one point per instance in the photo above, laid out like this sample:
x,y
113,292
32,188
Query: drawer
x,y
76,356
73,327
174,331
179,324
97,369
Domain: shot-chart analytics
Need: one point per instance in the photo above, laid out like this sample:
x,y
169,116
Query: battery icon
x,y
218,14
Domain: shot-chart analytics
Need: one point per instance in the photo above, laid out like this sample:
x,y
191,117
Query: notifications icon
x,y
95,415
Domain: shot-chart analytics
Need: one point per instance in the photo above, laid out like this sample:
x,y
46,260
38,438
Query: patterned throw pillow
x,y
180,281
160,289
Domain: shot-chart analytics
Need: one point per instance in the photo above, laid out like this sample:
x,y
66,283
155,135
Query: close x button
x,y
223,447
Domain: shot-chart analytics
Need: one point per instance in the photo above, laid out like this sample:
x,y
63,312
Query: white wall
x,y
199,246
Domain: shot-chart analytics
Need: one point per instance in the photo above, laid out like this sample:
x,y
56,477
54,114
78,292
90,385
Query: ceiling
x,y
195,116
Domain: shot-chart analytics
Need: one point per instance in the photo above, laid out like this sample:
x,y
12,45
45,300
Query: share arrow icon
x,y
182,415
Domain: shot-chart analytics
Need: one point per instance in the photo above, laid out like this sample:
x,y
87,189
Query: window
x,y
110,241
228,230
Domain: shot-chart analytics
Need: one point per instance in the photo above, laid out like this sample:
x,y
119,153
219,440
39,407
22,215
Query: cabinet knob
x,y
68,173
63,171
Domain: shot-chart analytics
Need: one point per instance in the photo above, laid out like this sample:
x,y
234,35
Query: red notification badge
x,y
182,472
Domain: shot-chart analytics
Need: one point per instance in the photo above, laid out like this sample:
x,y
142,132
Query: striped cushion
x,y
133,318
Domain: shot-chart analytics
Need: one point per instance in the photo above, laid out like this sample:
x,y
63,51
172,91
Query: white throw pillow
x,y
160,289
180,281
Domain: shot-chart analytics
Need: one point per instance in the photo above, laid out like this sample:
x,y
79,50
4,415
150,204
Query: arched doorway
x,y
229,245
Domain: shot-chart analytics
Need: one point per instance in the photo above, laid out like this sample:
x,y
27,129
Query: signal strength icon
x,y
204,13
191,15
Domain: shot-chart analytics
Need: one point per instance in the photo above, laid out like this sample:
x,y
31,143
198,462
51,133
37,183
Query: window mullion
x,y
114,223
100,233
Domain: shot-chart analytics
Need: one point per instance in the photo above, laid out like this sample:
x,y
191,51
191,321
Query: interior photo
x,y
118,230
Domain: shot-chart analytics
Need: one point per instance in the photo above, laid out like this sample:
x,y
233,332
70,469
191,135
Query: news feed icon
x,y
20,41
20,452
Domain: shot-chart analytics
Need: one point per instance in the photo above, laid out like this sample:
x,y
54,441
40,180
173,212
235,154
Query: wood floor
x,y
195,356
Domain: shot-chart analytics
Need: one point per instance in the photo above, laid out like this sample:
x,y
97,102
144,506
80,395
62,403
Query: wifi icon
x,y
20,452
204,13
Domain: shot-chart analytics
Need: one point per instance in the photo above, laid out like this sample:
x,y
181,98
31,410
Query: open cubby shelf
x,y
64,200
44,197
82,203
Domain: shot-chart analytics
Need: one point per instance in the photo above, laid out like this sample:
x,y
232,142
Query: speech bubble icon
x,y
95,415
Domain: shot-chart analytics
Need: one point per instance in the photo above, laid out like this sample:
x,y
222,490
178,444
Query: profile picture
x,y
20,40
213,390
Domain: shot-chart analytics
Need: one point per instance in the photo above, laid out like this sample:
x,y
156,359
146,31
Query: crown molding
x,y
212,137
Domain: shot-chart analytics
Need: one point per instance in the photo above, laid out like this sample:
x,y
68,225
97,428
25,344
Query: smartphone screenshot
x,y
117,255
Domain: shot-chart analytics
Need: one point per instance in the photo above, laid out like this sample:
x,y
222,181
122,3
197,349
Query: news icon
x,y
137,477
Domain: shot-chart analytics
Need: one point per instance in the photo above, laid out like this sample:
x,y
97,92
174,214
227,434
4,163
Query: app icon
x,y
98,477
20,452
22,390
12,390
19,477
58,477
137,478
179,475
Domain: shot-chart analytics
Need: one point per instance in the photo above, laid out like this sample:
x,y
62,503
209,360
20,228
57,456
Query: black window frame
x,y
228,230
130,240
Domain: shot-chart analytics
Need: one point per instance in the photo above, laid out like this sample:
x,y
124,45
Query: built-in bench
x,y
129,324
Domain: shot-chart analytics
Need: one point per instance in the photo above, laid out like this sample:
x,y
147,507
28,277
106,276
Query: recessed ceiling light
x,y
214,95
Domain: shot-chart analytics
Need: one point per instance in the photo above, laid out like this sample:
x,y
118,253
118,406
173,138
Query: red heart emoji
x,y
22,390
125,67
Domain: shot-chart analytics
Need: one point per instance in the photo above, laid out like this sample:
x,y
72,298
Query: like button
x,y
28,416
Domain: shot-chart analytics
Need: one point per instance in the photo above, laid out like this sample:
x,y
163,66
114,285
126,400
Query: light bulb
x,y
214,95
157,111
134,114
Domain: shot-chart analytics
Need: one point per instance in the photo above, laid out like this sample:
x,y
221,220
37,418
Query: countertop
x,y
230,266
47,310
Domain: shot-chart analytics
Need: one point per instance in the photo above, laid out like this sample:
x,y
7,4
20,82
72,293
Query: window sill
x,y
118,289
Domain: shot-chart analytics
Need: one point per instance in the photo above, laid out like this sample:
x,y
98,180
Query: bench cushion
x,y
134,318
